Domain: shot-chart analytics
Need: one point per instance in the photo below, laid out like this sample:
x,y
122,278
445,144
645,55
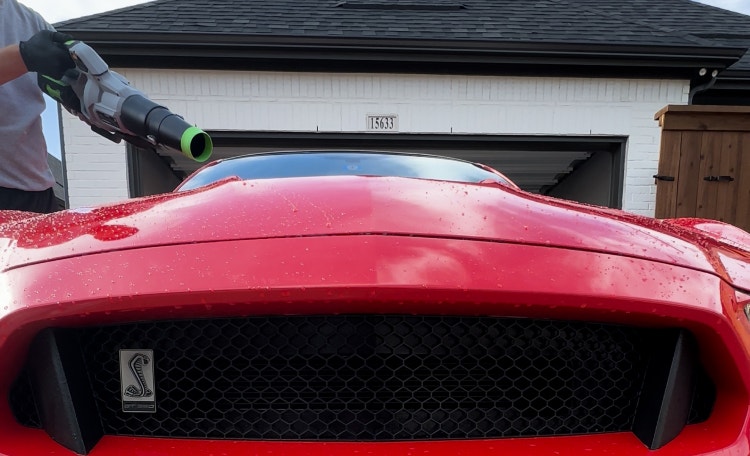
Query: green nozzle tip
x,y
196,144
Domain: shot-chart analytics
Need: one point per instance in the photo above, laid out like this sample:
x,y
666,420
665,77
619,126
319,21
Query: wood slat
x,y
687,185
742,216
708,191
669,165
704,118
726,200
706,122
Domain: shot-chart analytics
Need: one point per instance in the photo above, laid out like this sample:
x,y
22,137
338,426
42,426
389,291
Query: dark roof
x,y
636,33
695,19
572,21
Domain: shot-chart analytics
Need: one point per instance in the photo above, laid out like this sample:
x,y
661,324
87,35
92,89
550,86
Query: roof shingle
x,y
614,22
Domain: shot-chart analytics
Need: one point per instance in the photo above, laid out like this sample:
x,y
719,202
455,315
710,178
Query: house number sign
x,y
382,122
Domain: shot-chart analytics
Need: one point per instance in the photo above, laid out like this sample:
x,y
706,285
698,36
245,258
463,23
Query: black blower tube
x,y
146,118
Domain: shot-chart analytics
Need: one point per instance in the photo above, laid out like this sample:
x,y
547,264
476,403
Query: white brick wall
x,y
95,167
425,104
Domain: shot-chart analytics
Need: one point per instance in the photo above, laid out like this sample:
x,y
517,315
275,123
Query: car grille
x,y
369,377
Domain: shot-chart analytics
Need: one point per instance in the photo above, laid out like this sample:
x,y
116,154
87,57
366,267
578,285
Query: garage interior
x,y
584,169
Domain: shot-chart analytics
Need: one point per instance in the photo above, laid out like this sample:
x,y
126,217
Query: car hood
x,y
325,206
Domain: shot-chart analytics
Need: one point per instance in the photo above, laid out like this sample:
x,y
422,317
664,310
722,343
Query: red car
x,y
370,303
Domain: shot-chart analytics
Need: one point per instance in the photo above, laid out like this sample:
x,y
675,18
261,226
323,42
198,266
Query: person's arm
x,y
44,53
11,64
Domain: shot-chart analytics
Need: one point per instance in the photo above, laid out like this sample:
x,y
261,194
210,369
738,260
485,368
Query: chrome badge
x,y
137,381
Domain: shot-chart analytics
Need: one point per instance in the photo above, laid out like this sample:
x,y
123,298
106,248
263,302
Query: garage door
x,y
584,169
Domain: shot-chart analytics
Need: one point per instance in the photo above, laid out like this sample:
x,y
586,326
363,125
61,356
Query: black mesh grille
x,y
373,377
22,402
376,377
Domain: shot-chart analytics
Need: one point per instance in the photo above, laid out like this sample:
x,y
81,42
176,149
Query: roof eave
x,y
734,76
264,52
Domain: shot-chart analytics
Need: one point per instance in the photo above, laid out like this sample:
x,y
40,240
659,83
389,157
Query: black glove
x,y
45,53
61,91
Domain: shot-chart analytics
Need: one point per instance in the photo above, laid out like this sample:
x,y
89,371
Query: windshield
x,y
306,164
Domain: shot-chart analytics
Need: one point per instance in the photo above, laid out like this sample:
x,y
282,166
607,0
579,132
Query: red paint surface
x,y
349,205
285,247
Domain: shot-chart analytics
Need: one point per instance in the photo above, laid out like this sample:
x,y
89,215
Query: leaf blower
x,y
114,109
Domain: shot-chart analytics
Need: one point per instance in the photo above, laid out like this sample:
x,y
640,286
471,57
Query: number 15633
x,y
382,123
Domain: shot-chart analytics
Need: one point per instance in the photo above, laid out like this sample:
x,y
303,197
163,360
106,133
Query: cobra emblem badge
x,y
137,381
